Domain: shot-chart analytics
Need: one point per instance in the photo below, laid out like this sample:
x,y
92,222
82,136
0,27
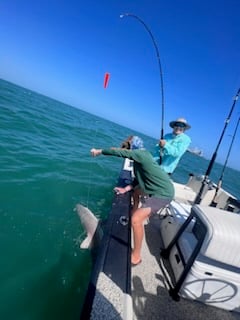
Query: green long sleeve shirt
x,y
151,178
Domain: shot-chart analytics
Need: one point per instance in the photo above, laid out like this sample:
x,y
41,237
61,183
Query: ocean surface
x,y
45,170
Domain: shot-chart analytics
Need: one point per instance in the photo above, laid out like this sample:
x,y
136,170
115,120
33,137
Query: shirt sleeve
x,y
136,155
177,147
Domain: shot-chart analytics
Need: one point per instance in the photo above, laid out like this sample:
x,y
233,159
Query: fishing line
x,y
90,175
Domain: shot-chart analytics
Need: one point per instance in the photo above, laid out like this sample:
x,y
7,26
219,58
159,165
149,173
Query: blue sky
x,y
63,48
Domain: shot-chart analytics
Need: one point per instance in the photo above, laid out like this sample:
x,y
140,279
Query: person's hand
x,y
162,143
120,190
96,152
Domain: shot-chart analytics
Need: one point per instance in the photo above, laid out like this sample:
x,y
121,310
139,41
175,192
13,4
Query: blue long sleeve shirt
x,y
175,147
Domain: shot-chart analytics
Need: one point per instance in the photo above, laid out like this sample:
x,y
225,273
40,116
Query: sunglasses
x,y
179,125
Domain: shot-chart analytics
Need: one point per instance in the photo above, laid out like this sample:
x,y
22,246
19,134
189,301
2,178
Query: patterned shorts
x,y
154,203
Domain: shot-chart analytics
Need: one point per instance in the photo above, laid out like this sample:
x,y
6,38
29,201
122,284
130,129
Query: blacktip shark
x,y
91,225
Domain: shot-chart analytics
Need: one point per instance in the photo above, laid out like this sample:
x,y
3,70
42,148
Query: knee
x,y
135,219
139,216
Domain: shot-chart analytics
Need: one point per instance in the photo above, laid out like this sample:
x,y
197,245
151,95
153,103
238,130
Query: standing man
x,y
155,190
171,148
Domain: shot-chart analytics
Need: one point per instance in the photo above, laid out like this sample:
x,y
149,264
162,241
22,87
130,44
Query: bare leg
x,y
138,231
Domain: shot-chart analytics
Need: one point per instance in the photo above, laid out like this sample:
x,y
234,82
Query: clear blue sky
x,y
63,48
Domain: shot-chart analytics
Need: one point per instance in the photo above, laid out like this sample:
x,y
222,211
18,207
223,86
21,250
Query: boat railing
x,y
109,291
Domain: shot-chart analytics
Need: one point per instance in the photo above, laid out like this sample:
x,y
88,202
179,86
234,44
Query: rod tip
x,y
124,15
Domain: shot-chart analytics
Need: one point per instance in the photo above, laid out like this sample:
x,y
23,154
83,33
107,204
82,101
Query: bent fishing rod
x,y
213,203
210,166
159,65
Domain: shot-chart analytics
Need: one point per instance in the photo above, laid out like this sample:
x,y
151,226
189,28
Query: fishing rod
x,y
209,169
214,203
159,64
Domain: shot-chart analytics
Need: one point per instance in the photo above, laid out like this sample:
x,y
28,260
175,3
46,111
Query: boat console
x,y
201,259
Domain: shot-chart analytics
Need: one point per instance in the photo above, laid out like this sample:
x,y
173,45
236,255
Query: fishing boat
x,y
195,151
190,265
158,287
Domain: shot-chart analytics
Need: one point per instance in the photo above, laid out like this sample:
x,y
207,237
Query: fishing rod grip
x,y
162,134
198,198
160,151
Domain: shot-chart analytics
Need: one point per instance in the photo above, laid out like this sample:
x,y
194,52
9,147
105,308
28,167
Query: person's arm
x,y
98,152
176,148
136,155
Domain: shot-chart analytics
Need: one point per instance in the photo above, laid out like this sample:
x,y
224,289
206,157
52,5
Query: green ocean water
x,y
45,170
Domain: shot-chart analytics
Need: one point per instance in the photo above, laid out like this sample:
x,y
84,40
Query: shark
x,y
91,225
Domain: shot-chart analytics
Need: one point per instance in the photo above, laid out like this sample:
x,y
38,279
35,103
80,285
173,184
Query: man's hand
x,y
120,190
162,143
96,152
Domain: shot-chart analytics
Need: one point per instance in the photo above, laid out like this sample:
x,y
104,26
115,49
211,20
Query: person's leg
x,y
149,205
138,232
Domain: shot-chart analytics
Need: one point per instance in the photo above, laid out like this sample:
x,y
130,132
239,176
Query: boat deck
x,y
150,297
119,291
